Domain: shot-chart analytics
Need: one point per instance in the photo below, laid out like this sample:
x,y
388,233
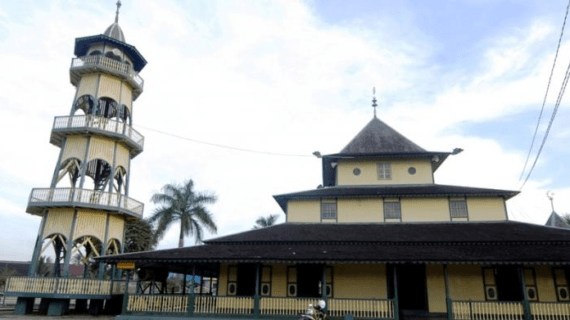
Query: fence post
x,y
256,297
448,301
526,304
126,295
396,304
192,299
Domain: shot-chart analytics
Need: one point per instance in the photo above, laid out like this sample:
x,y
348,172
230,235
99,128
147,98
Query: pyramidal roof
x,y
556,220
376,138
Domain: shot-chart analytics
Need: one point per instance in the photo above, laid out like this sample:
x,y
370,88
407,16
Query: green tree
x,y
181,203
139,236
268,221
5,274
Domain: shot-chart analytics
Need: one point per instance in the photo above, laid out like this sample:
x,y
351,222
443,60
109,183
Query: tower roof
x,y
114,31
556,220
377,137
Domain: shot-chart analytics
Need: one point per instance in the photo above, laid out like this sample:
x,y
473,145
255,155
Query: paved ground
x,y
9,314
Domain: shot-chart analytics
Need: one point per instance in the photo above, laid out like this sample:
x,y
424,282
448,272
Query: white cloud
x,y
266,76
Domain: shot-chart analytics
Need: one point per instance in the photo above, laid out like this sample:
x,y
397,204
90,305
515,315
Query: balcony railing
x,y
63,286
268,306
63,197
102,63
97,124
494,310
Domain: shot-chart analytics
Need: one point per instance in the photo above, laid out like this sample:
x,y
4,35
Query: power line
x,y
224,146
545,95
558,100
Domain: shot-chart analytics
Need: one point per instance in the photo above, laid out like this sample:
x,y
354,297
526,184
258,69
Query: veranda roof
x,y
504,242
404,190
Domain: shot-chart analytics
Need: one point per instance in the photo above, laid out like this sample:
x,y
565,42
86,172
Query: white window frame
x,y
384,170
329,209
458,209
392,207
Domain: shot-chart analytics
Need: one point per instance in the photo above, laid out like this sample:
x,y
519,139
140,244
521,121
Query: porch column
x,y
324,287
126,295
448,301
526,304
184,284
191,298
256,296
396,305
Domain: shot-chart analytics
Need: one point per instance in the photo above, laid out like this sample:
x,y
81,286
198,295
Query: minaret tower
x,y
87,203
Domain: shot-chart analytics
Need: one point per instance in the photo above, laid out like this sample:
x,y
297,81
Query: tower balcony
x,y
90,64
45,198
67,125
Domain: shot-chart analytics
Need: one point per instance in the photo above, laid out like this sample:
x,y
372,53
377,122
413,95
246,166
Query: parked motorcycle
x,y
315,312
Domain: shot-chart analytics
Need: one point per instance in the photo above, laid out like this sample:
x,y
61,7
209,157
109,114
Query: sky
x,y
287,78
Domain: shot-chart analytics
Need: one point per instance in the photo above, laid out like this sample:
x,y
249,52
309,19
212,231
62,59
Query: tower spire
x,y
117,13
374,104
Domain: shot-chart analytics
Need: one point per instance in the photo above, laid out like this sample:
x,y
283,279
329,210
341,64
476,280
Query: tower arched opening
x,y
95,53
70,167
99,170
113,56
113,247
85,103
84,249
51,256
119,180
106,107
123,114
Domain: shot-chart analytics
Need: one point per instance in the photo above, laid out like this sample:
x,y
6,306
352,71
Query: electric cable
x,y
545,95
225,146
558,100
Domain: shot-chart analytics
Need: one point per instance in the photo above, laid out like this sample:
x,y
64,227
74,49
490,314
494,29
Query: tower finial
x,y
117,14
374,105
550,196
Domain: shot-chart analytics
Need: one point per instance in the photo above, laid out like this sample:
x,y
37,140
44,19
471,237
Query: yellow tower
x,y
85,208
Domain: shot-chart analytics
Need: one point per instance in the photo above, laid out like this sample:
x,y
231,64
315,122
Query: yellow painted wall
x,y
304,211
369,174
74,148
365,281
101,148
122,157
58,221
223,280
436,288
90,223
88,85
110,86
360,210
424,209
127,95
279,281
466,282
486,208
116,227
545,284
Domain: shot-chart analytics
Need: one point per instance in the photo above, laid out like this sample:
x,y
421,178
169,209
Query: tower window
x,y
458,209
392,210
328,209
384,171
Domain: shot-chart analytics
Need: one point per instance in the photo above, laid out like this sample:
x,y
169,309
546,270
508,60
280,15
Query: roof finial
x,y
550,196
374,105
117,14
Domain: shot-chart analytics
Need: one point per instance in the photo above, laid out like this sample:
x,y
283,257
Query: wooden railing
x,y
29,285
84,196
361,309
110,65
476,310
550,310
223,305
99,123
158,303
285,306
64,286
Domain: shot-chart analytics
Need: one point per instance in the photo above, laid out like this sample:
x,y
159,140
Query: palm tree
x,y
139,236
268,221
179,202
